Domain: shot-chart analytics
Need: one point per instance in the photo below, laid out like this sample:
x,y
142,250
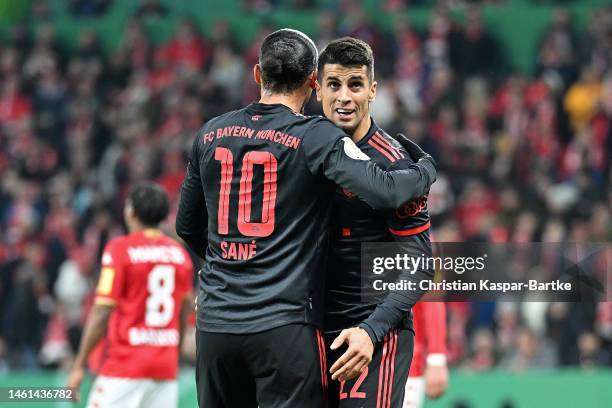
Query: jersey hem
x,y
127,377
253,328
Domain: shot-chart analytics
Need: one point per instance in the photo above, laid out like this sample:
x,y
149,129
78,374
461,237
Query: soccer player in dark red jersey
x,y
379,335
256,203
141,306
428,371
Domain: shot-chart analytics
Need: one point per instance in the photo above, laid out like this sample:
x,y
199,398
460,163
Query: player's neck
x,y
293,102
136,226
362,129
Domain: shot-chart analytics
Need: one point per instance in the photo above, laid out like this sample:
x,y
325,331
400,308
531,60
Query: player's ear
x,y
312,80
257,74
318,92
372,93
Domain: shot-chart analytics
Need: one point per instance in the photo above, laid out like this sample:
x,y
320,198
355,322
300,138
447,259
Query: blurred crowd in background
x,y
522,158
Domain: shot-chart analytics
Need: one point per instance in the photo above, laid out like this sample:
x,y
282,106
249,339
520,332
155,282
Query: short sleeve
x,y
112,273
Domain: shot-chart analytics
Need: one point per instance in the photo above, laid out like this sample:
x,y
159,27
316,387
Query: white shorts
x,y
415,392
111,392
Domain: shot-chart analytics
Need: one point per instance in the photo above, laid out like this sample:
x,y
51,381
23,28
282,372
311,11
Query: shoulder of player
x,y
323,126
219,121
117,242
114,249
318,120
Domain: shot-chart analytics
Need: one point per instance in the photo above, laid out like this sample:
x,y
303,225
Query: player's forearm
x,y
381,189
184,315
400,186
396,305
95,330
191,218
435,327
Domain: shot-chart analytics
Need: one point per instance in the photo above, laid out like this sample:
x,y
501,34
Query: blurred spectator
x,y
597,40
222,35
582,98
89,8
14,105
136,45
258,6
482,356
561,37
40,11
151,9
357,24
327,29
71,289
227,69
530,353
28,306
592,355
477,53
187,51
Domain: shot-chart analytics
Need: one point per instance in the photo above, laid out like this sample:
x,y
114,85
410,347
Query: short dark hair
x,y
350,52
286,59
150,203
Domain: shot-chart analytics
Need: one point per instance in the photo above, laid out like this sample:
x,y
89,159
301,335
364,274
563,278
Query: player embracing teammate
x,y
373,370
256,205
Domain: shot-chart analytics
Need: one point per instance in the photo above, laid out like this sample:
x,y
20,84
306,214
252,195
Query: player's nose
x,y
343,96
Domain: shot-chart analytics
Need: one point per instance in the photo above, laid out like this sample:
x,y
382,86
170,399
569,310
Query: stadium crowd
x,y
523,158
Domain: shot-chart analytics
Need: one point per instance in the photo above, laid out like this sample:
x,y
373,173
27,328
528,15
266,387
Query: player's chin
x,y
347,126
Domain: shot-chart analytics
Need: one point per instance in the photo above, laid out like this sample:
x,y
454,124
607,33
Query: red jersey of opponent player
x,y
430,340
145,275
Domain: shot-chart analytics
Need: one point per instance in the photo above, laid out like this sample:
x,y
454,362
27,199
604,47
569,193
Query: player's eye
x,y
333,85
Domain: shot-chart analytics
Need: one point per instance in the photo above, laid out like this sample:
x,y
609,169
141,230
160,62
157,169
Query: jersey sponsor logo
x,y
156,254
238,251
153,337
412,207
255,118
105,284
352,151
347,193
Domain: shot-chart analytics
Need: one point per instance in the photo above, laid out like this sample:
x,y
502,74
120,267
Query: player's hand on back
x,y
74,382
436,380
413,149
357,356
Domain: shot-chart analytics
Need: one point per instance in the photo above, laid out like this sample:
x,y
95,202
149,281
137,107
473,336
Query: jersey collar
x,y
373,129
257,107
